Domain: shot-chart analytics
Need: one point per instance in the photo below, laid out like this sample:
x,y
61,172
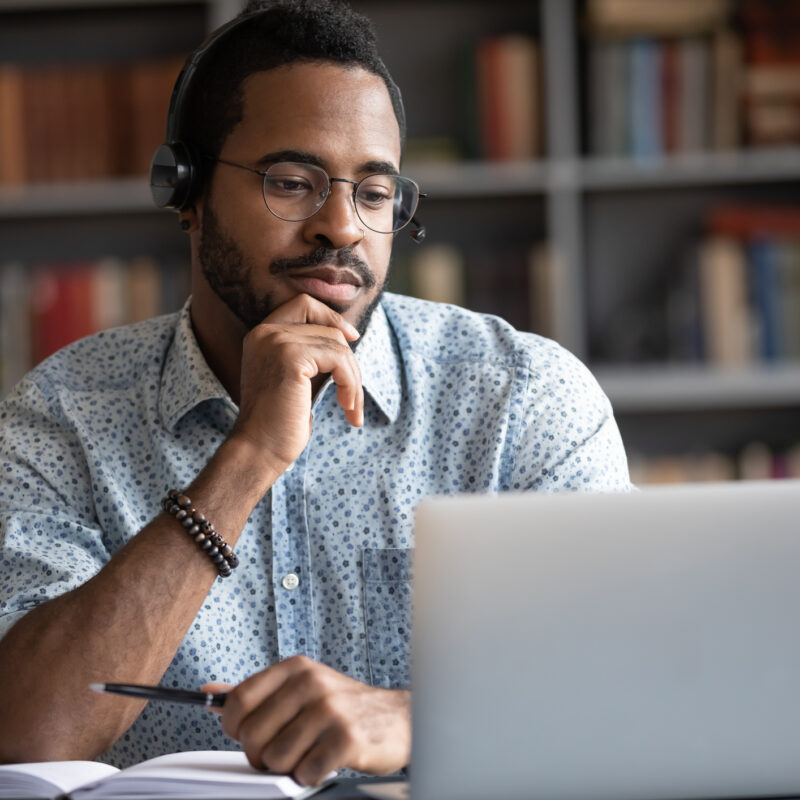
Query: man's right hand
x,y
284,359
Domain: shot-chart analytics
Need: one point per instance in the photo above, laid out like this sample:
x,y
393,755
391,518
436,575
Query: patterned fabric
x,y
455,401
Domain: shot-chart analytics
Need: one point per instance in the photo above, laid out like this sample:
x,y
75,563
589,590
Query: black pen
x,y
161,693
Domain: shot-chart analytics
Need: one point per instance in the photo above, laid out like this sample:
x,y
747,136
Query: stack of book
x,y
738,300
691,75
772,73
69,122
46,306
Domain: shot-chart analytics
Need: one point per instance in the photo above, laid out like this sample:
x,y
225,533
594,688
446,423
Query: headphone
x,y
174,170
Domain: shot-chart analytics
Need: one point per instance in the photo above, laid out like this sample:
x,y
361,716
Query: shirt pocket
x,y
387,613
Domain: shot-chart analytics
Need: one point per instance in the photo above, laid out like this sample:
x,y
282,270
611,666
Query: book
x,y
13,155
694,95
507,94
725,310
726,88
437,273
646,104
672,18
609,98
191,775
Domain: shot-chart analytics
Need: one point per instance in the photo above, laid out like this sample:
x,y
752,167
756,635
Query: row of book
x,y
729,296
738,299
82,121
755,461
671,77
44,307
516,283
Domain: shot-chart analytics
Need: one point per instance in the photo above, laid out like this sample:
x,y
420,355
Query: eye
x,y
288,184
374,192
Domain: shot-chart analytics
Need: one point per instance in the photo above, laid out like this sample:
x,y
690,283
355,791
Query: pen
x,y
161,693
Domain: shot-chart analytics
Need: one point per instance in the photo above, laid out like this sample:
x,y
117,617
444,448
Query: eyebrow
x,y
367,168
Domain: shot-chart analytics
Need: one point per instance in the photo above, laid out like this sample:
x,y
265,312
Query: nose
x,y
336,224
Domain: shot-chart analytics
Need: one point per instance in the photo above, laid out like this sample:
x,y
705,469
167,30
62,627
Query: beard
x,y
223,265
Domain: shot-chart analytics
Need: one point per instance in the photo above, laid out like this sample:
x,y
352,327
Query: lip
x,y
327,283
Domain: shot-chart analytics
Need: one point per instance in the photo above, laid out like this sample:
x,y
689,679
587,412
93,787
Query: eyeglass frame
x,y
418,234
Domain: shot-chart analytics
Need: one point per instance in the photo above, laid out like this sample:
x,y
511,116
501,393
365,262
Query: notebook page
x,y
195,775
59,776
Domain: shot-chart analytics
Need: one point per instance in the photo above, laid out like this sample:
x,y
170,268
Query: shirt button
x,y
290,581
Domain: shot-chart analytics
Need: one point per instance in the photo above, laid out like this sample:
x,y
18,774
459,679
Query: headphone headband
x,y
174,173
174,170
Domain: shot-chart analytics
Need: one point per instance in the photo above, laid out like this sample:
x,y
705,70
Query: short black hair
x,y
278,32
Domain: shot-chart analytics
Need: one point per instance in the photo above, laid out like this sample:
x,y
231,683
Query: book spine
x,y
646,103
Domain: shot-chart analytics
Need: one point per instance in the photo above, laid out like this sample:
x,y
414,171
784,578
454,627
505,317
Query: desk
x,y
347,788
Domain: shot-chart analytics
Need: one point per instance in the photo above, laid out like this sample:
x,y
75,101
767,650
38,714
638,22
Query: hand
x,y
302,718
281,357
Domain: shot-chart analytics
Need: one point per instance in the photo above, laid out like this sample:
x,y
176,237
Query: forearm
x,y
123,625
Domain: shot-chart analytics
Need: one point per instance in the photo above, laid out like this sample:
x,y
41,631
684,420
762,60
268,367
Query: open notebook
x,y
201,774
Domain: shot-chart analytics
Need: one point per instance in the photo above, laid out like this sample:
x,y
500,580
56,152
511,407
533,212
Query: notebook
x,y
191,775
590,647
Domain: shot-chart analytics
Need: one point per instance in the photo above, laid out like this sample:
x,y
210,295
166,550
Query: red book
x,y
490,113
744,222
670,71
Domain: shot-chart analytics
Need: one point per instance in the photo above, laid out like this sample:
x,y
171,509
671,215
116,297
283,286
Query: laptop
x,y
584,647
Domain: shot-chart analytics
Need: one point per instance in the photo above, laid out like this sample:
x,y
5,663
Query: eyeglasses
x,y
294,191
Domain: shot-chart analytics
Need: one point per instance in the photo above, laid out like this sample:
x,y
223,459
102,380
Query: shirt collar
x,y
379,360
187,380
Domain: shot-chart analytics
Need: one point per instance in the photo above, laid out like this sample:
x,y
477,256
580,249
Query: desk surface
x,y
347,788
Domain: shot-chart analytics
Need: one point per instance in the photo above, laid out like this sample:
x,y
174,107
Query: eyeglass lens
x,y
296,191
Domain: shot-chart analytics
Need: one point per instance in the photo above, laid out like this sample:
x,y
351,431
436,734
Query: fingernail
x,y
353,330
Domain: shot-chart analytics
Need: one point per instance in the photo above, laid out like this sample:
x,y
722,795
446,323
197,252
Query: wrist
x,y
248,456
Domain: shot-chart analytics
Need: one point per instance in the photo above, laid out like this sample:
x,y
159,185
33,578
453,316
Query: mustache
x,y
343,257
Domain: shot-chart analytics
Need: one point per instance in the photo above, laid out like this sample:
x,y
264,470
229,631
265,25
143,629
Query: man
x,y
230,404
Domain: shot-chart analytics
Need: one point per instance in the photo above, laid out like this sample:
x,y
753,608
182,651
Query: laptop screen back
x,y
608,646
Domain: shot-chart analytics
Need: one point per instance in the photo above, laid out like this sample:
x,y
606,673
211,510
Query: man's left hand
x,y
302,718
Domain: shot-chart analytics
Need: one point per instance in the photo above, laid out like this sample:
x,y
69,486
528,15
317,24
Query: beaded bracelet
x,y
202,531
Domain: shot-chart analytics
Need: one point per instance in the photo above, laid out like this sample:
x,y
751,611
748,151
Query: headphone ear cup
x,y
173,176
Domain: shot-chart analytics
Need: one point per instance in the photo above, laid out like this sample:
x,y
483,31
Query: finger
x,y
290,744
257,689
304,309
328,753
343,367
266,725
350,391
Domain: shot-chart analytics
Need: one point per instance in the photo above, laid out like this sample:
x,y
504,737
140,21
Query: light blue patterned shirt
x,y
455,401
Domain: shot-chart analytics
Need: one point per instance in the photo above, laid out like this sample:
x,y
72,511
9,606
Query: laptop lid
x,y
643,645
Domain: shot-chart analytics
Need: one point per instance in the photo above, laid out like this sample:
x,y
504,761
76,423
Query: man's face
x,y
342,120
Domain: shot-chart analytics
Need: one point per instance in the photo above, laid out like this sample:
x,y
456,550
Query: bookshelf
x,y
617,225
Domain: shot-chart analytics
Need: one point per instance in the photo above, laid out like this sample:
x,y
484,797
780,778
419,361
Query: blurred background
x,y
619,175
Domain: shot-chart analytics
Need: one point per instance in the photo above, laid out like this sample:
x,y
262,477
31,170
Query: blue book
x,y
646,137
762,256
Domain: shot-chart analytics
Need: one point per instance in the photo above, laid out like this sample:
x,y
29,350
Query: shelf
x,y
479,178
697,388
457,180
76,198
691,169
